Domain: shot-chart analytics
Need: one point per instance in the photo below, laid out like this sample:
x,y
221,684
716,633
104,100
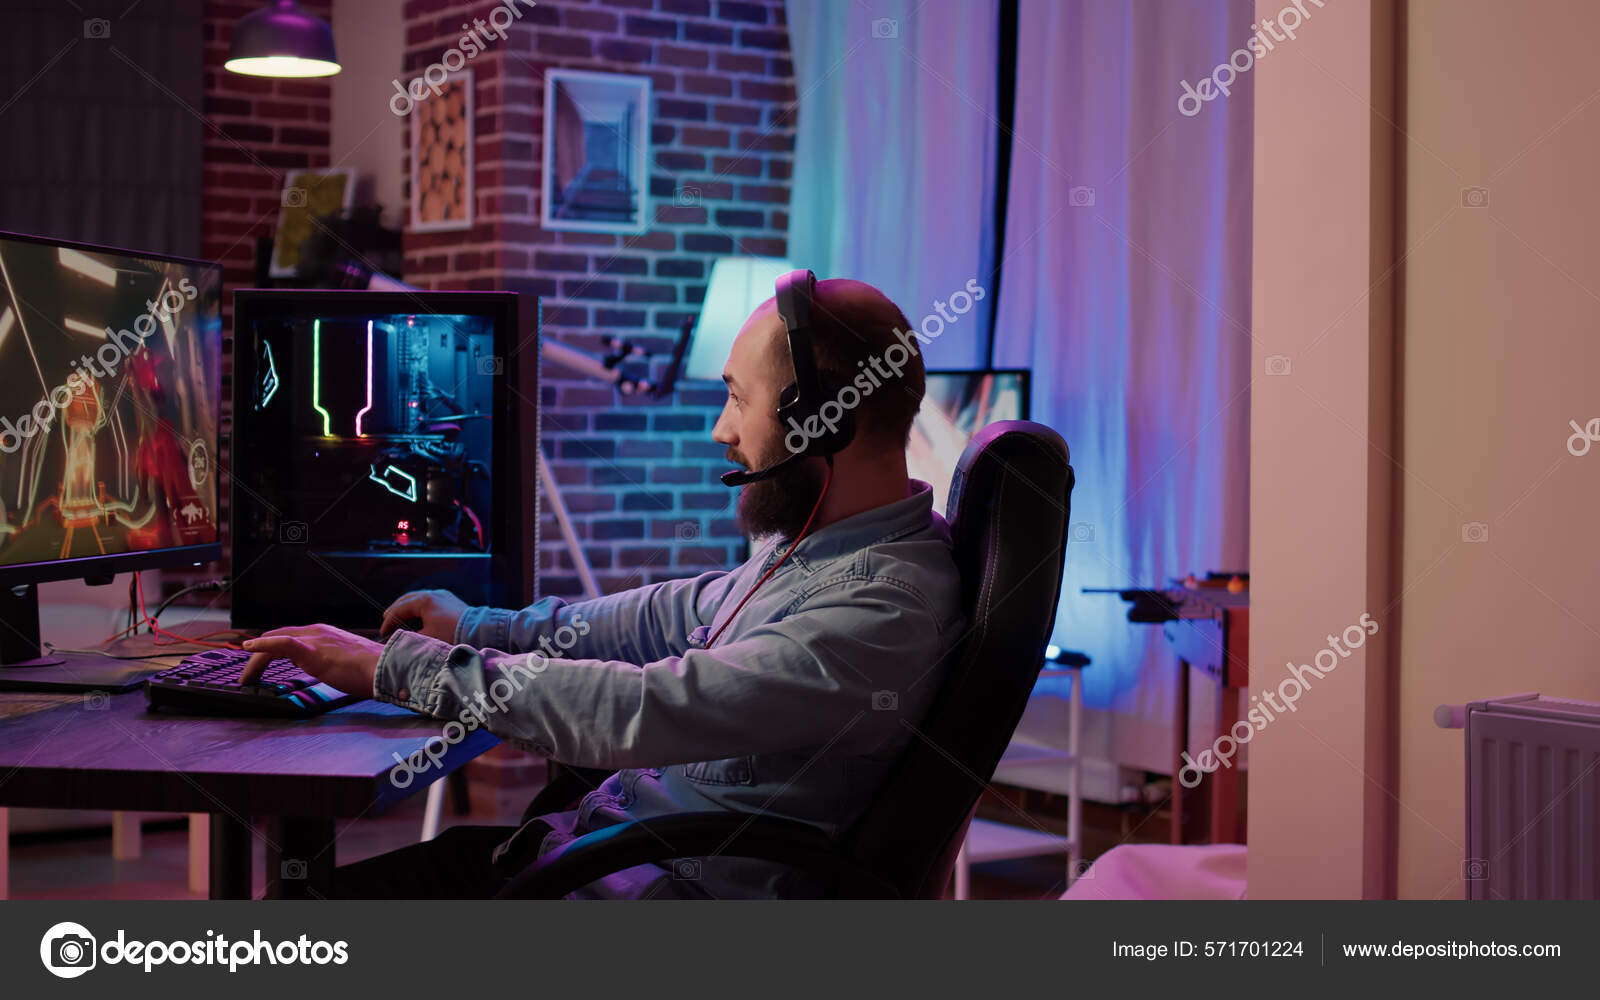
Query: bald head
x,y
855,329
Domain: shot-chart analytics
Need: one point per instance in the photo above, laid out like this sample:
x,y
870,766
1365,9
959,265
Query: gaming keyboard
x,y
209,682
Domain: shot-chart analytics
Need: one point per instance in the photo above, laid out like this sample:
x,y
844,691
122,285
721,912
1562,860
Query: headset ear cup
x,y
843,419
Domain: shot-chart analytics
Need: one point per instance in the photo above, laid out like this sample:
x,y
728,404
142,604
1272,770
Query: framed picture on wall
x,y
307,195
596,152
441,156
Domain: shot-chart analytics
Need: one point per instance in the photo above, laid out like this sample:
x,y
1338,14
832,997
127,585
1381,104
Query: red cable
x,y
477,524
157,630
183,640
828,479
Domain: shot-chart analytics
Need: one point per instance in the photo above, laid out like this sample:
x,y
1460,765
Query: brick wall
x,y
255,130
639,476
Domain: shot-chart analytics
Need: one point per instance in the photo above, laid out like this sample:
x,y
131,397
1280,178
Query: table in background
x,y
1212,634
1207,624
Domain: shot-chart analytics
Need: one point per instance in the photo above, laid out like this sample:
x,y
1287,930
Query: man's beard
x,y
781,504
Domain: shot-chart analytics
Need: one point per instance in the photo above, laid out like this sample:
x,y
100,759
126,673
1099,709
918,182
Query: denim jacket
x,y
798,710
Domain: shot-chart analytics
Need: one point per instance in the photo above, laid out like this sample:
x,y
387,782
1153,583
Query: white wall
x,y
367,136
1482,573
1501,350
1320,496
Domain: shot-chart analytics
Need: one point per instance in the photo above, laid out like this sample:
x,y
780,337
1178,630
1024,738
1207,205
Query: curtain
x,y
895,144
99,120
1125,287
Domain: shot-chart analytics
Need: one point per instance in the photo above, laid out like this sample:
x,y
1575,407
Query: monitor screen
x,y
375,429
955,406
110,374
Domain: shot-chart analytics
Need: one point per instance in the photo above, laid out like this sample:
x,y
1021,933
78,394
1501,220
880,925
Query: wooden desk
x,y
74,751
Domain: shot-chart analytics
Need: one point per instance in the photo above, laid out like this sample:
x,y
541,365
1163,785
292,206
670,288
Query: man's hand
x,y
438,610
346,661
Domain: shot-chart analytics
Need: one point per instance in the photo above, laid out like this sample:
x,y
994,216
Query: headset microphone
x,y
802,399
739,477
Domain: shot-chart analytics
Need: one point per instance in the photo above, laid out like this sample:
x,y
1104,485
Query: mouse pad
x,y
113,676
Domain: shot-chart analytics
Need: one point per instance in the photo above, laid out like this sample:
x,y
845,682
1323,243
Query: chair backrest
x,y
1010,502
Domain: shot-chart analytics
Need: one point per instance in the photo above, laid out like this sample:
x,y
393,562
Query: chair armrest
x,y
695,835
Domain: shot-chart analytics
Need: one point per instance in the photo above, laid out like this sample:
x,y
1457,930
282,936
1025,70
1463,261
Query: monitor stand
x,y
25,667
19,629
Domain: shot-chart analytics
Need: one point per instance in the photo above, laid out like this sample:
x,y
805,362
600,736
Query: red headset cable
x,y
803,531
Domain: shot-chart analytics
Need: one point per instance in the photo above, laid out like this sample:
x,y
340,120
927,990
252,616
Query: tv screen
x,y
956,405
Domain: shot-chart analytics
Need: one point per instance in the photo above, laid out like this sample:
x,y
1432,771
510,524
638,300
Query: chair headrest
x,y
1025,443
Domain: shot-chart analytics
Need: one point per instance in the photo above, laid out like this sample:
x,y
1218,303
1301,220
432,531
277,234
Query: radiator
x,y
1533,797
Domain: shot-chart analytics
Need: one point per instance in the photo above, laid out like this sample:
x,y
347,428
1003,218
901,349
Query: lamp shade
x,y
737,286
282,40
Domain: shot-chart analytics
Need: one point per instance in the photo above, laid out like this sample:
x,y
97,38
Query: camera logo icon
x,y
292,870
491,364
67,950
97,701
293,533
885,27
1474,869
687,869
1082,531
1080,197
1474,531
885,701
96,27
1475,197
1279,364
687,195
294,197
686,531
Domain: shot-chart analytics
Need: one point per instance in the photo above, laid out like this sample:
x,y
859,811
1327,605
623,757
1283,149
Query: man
x,y
784,687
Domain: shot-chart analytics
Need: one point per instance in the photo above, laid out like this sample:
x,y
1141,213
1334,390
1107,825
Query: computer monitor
x,y
383,442
110,375
956,405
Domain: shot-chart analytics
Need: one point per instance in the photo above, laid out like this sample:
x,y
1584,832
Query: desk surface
x,y
76,751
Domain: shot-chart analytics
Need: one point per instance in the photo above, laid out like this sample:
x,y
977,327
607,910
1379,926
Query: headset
x,y
800,402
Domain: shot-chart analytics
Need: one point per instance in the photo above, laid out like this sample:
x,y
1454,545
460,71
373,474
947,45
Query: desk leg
x,y
1180,746
1224,781
230,857
126,830
299,857
199,852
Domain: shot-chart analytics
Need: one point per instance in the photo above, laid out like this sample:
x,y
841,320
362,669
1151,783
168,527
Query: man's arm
x,y
640,625
807,680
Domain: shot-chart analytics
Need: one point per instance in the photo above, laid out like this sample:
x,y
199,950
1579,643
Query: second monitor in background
x,y
382,442
955,406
